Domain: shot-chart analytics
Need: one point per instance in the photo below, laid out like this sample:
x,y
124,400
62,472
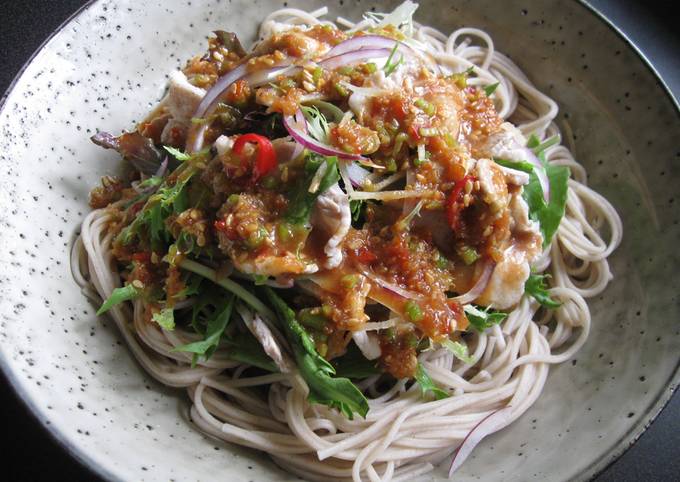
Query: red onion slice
x,y
214,95
356,174
312,144
363,42
352,57
540,173
162,169
220,86
479,286
488,425
301,121
394,288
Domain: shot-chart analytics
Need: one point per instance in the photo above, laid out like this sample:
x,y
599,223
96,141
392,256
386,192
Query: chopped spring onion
x,y
428,131
413,311
469,255
425,106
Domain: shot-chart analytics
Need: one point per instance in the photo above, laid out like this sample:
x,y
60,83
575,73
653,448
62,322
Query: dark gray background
x,y
30,454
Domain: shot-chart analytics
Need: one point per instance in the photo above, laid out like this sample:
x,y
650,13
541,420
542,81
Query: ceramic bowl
x,y
107,66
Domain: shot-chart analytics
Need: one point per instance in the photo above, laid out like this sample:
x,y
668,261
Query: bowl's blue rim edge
x,y
625,442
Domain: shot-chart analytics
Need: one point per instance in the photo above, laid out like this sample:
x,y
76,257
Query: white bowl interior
x,y
108,66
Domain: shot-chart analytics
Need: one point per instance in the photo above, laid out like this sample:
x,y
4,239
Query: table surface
x,y
29,449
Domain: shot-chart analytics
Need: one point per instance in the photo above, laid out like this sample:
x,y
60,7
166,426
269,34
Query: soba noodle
x,y
402,436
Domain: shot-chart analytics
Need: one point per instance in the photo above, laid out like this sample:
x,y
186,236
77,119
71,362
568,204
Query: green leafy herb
x,y
301,200
483,319
244,348
353,364
490,89
214,329
542,146
317,124
413,311
167,200
427,385
153,181
548,214
533,141
229,285
459,350
165,318
357,208
313,318
324,388
390,66
191,287
179,155
118,295
536,287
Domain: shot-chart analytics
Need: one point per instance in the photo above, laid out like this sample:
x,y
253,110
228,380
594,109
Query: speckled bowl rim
x,y
615,452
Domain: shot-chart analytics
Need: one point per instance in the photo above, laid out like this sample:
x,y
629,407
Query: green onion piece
x,y
542,146
413,311
417,162
316,75
370,67
469,255
284,232
312,318
270,182
399,142
426,107
428,131
342,92
346,70
349,281
441,261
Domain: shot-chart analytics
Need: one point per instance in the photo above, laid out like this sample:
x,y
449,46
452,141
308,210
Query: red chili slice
x,y
364,255
454,203
142,257
265,160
